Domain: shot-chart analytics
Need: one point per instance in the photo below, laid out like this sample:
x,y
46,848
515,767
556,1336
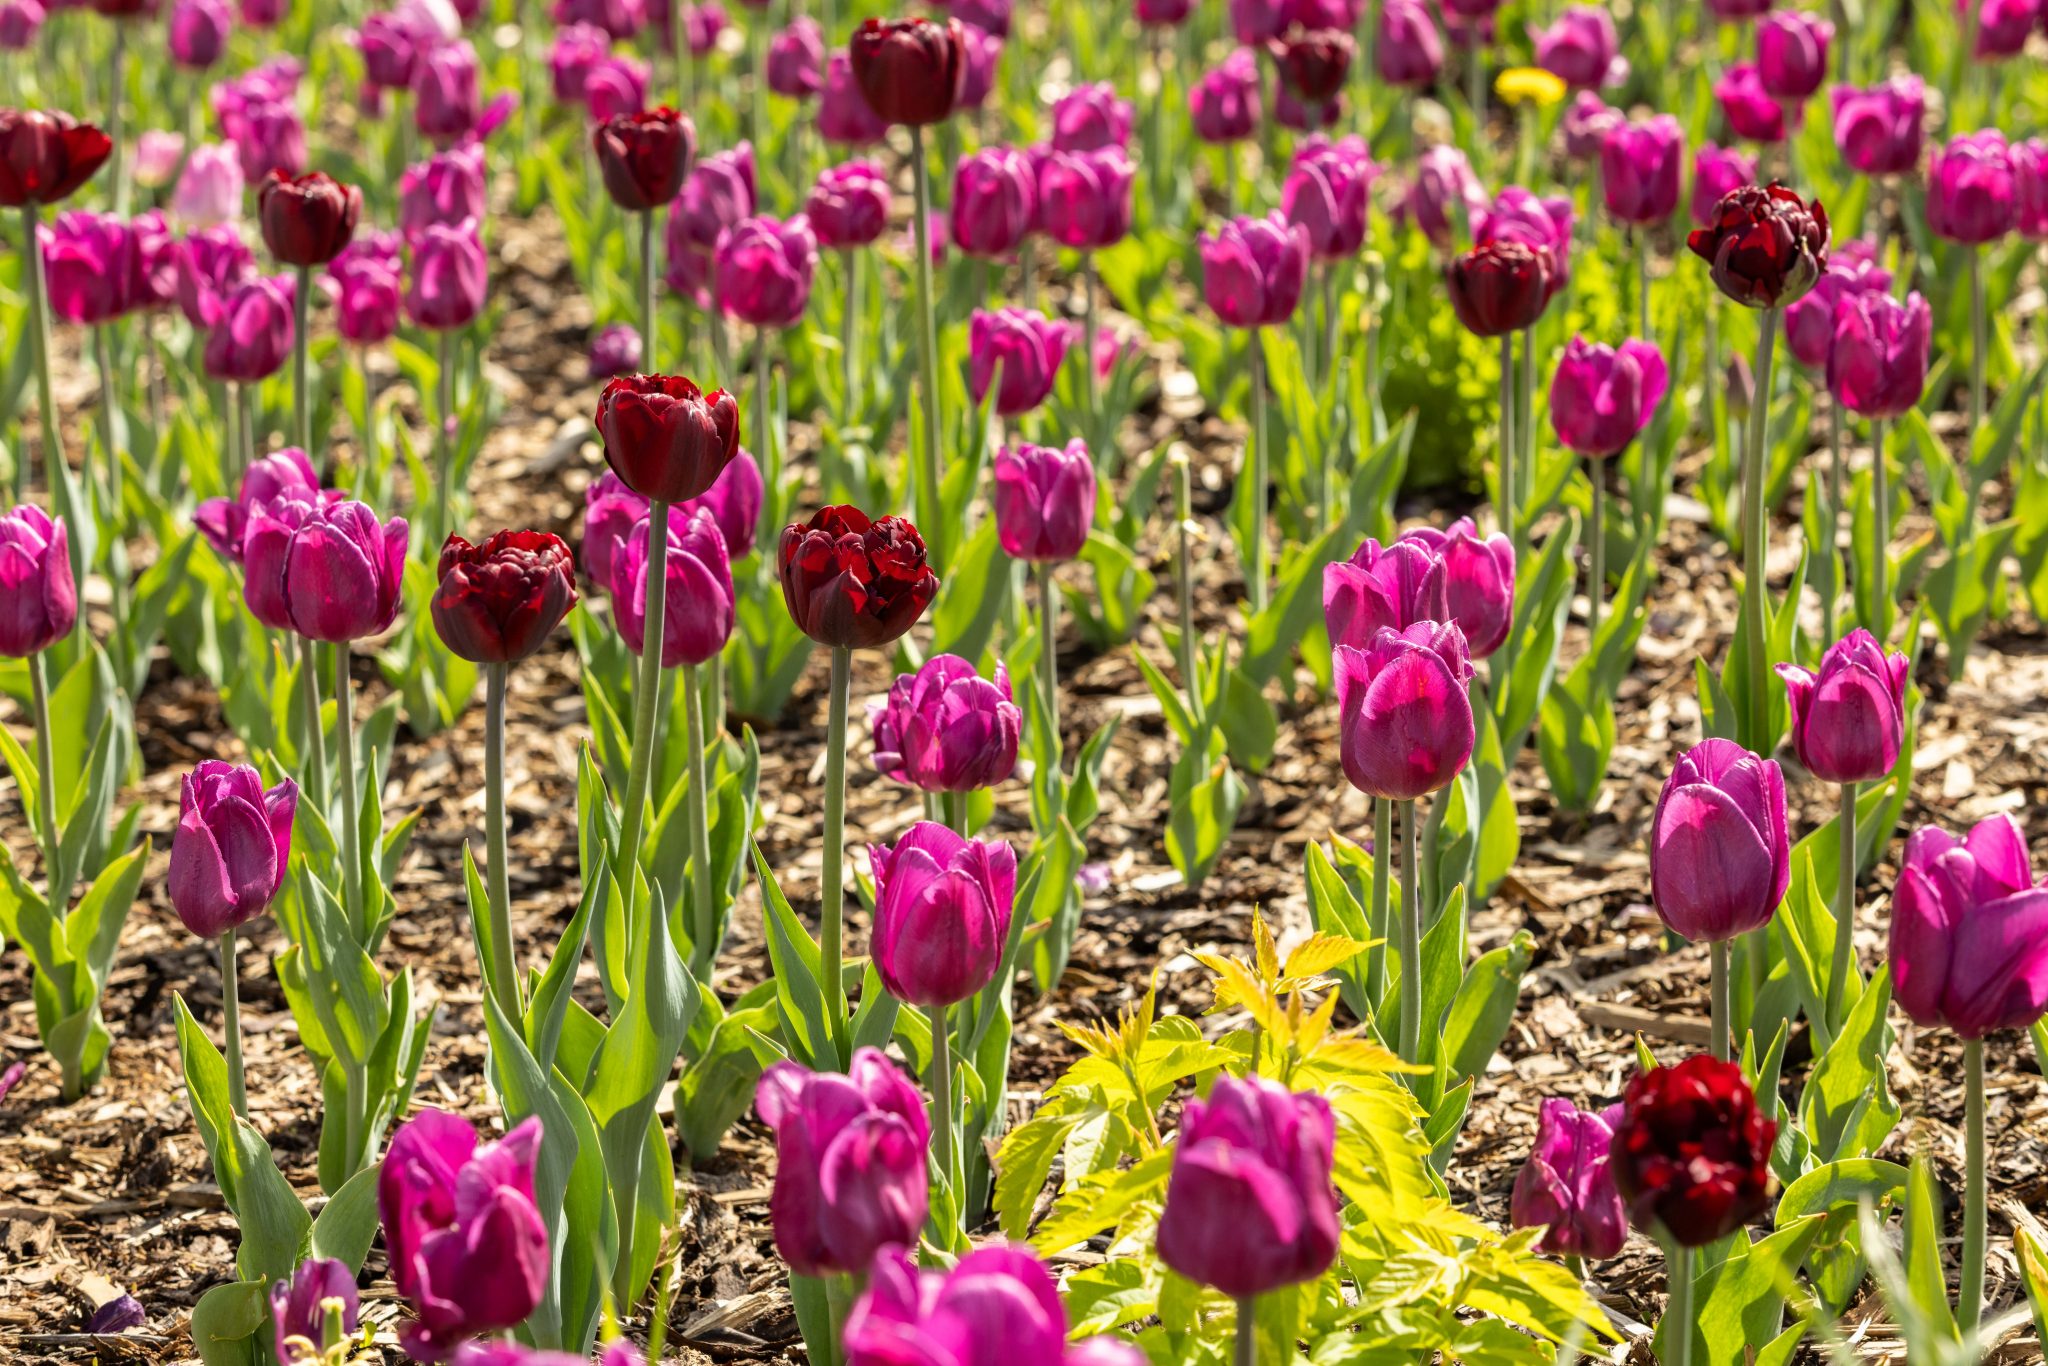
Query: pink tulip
x,y
996,1304
844,115
285,473
1328,194
1792,53
1408,50
697,613
2002,26
2030,188
615,86
232,845
1849,719
20,22
1602,397
1084,198
1581,48
1089,118
253,333
994,199
1384,588
1479,581
1969,946
329,572
1720,856
1810,322
947,729
197,33
1566,1187
1517,215
796,59
1443,179
38,595
1586,123
209,265
718,195
1044,500
1640,166
1715,172
1405,726
1877,358
1750,108
848,205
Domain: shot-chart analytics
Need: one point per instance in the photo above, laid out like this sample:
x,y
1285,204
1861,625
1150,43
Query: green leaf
x,y
227,1321
347,1226
1741,1299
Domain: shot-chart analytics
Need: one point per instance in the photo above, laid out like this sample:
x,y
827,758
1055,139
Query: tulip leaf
x,y
974,597
1927,1313
1740,1299
1205,794
1333,910
347,1225
1110,612
1526,663
1485,1005
1847,1108
793,954
227,1324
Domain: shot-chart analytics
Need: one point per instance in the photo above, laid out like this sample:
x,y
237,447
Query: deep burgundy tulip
x,y
1313,63
995,195
850,582
46,156
299,1309
1250,1206
1810,323
281,474
1224,102
1602,396
197,33
848,205
210,264
910,70
577,50
1716,171
796,59
644,156
1518,215
1328,194
253,334
1084,198
1384,588
1879,131
763,269
1849,719
2002,26
20,22
308,220
327,571
1691,1153
697,594
232,846
1877,359
1750,109
844,116
1792,53
947,729
1479,581
1766,246
664,437
467,1245
497,601
1253,270
1971,194
2030,188
1581,48
449,277
1407,47
1969,945
1499,287
615,87
942,911
1443,180
1027,349
1567,1188
1044,500
850,1155
1640,167
1090,117
717,196
38,596
87,259
1586,123
1405,721
391,43
1720,857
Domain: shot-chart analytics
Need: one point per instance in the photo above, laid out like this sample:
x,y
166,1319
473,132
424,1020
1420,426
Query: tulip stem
x,y
231,463
315,757
1881,556
1048,655
646,696
57,472
1845,913
941,1084
444,442
1837,483
1184,553
956,814
1504,465
1382,896
706,937
648,349
302,406
1524,464
1755,529
1717,997
832,888
849,333
117,70
1411,935
1970,1284
1978,345
1678,1305
1257,444
1246,1350
59,898
345,751
757,64
504,967
1327,489
764,410
1642,243
1092,386
231,1024
937,534
1596,551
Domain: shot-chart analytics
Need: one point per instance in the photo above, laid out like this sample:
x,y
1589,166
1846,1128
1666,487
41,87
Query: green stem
x,y
1678,1307
757,61
1048,654
1504,464
941,1085
231,457
1086,350
444,442
56,470
1524,466
1642,244
231,1024
59,898
302,408
1326,491
1881,496
315,754
345,749
1596,558
706,928
1246,1350
1257,444
1718,1008
849,332
648,322
1382,897
938,536
646,697
764,411
1970,1284
1979,343
1755,531
1837,484
117,71
504,966
1411,935
956,814
1184,557
1845,914
1710,376
832,887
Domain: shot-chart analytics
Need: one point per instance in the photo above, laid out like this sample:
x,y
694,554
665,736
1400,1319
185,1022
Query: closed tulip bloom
x,y
46,156
20,22
448,187
280,474
496,602
1253,270
367,295
1640,167
1716,172
449,278
644,157
1044,500
1518,215
1971,194
2030,188
299,1309
391,43
1090,117
734,502
38,596
1879,131
1602,397
947,729
329,572
850,1155
1810,323
1313,63
942,911
980,52
2002,26
1479,581
308,220
996,1304
1408,49
1751,110
1720,857
1765,247
1499,287
1250,1206
615,350
1224,102
994,196
1327,194
209,264
796,59
1849,719
1792,53
446,100
1969,945
467,1245
718,195
1443,179
1164,13
850,582
233,843
1405,720
615,87
1384,588
909,69
1024,347
86,265
698,592
764,270
1877,358
844,116
577,50
1581,48
1586,123
253,334
664,437
1567,1188
1084,198
197,33
270,139
209,188
1691,1152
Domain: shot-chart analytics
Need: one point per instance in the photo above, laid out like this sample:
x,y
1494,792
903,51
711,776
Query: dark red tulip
x,y
1313,63
1692,1152
307,220
1765,244
497,601
911,70
645,156
664,437
44,157
1499,287
852,582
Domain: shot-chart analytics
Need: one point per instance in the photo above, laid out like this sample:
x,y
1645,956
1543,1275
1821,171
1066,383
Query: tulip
x,y
1848,720
209,264
734,502
990,16
446,100
1878,130
615,87
1736,11
718,195
1602,397
1479,582
1250,1206
20,22
1407,47
1640,166
87,259
697,619
1253,270
1024,348
367,296
449,277
198,32
46,157
328,572
1224,102
209,188
1089,118
1691,1152
578,49
945,729
1327,193
314,1311
1810,323
994,194
1164,13
1567,1188
467,1246
1254,21
1292,112
763,270
2002,26
851,583
1084,198
942,902
1766,247
1044,500
1971,192
1586,124
391,44
1716,173
796,59
997,1303
844,115
1405,721
1792,53
1312,64
449,187
1877,356
281,474
263,13
1499,287
36,583
644,157
496,602
1443,177
910,70
619,19
1384,588
1581,49
1516,215
664,437
610,512
254,332
1750,109
615,350
270,139
308,220
2030,188
232,846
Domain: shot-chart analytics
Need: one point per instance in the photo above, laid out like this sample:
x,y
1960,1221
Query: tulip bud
x,y
2030,188
1879,130
2002,26
1312,63
270,139
209,265
328,572
1692,1152
1766,246
38,596
253,333
1327,193
1810,323
448,187
1877,357
942,912
1250,1206
1044,500
1972,196
366,297
796,59
1586,123
852,583
577,50
1389,588
664,437
1567,1187
299,1309
1720,857
615,350
909,69
1792,53
1479,582
497,602
1499,287
1026,348
391,43
697,596
1716,172
734,502
1253,270
449,278
1405,725
308,220
1849,720
1084,198
844,115
1224,102
45,157
764,269
1969,945
1602,397
947,729
233,844
994,195
446,100
1640,165
1091,117
644,156
20,22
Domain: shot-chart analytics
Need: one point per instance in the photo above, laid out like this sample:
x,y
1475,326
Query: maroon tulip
x,y
307,220
1766,245
1692,1153
664,437
1499,287
849,582
45,157
644,156
497,601
911,70
1313,63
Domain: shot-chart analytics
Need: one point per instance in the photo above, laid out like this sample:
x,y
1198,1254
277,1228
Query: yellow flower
x,y
1529,84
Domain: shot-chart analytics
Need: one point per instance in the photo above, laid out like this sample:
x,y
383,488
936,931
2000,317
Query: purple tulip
x,y
577,50
281,474
367,294
943,901
38,596
734,502
1715,172
449,188
1586,123
1224,102
1384,588
796,59
1408,50
1792,53
1250,1206
702,24
328,572
268,137
1405,725
763,270
20,22
1443,179
615,350
1479,581
299,1309
446,101
1328,193
996,1304
1750,108
209,188
1091,117
844,115
1027,347
2030,188
467,1246
2002,26
210,265
1289,111
1254,21
253,334
1164,13
697,615
990,16
615,86
1879,130
1253,270
263,13
718,195
1640,167
116,1316
1849,720
994,199
1581,48
232,846
1518,215
1084,198
1044,500
1971,194
1738,11
1602,397
197,33
87,262
449,278
850,1154
1810,322
947,729
1566,1188
391,44
1720,858
980,52
620,19
1969,945
1877,358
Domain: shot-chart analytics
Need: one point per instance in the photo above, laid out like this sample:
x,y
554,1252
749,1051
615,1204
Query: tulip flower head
x,y
1084,198
1312,63
942,912
1691,1153
853,583
1877,357
1224,101
1586,123
447,101
252,333
1444,184
1020,352
1716,171
1408,49
300,1307
1849,719
980,51
1602,397
1765,246
391,43
449,187
644,156
1969,945
368,292
910,70
844,116
46,156
664,437
449,278
1405,726
20,22
763,269
209,265
615,87
947,729
995,196
1091,117
38,596
1972,195
496,602
1518,215
577,50
2002,26
1640,167
87,259
329,572
308,219
1499,287
1328,194
1384,588
1567,1188
1479,582
796,59
1044,500
232,846
1751,110
1792,53
1879,131
1581,48
197,33
281,474
615,350
998,1303
1253,270
1810,323
1720,855
848,205
697,597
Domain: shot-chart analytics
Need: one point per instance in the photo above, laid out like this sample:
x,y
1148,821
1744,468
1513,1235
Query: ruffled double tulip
x,y
253,332
1640,168
1253,270
1090,117
1720,853
848,205
1849,719
1581,48
1384,588
1479,581
1044,500
38,595
449,278
302,1305
1499,287
1224,101
45,156
1792,53
717,196
850,1155
1969,939
1692,1152
996,1304
1019,351
1765,246
697,597
1444,180
1566,1187
232,846
497,601
1250,1206
1880,130
1877,358
1751,110
1602,397
852,583
1084,198
1716,172
995,198
467,1245
910,70
796,59
308,219
764,269
1405,726
1328,194
1407,47
281,474
329,572
844,116
1313,63
942,911
643,157
664,437
1972,196
945,728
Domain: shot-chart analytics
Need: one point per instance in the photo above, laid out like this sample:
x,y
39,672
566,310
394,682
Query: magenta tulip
x,y
1479,581
1545,225
1716,171
328,572
1750,108
449,187
1384,588
996,1304
253,333
718,195
1969,944
796,59
1640,167
1027,348
287,473
1586,123
210,265
232,846
2002,26
1879,130
1810,321
1224,101
577,50
197,32
38,595
1253,270
1405,726
1971,194
1720,857
1792,53
1084,198
1044,500
848,205
615,86
942,911
87,263
1328,194
1091,117
1443,180
1581,48
1409,51
1877,358
995,196
1566,1187
1602,397
698,613
20,22
844,115
1849,719
449,277
764,269
947,729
